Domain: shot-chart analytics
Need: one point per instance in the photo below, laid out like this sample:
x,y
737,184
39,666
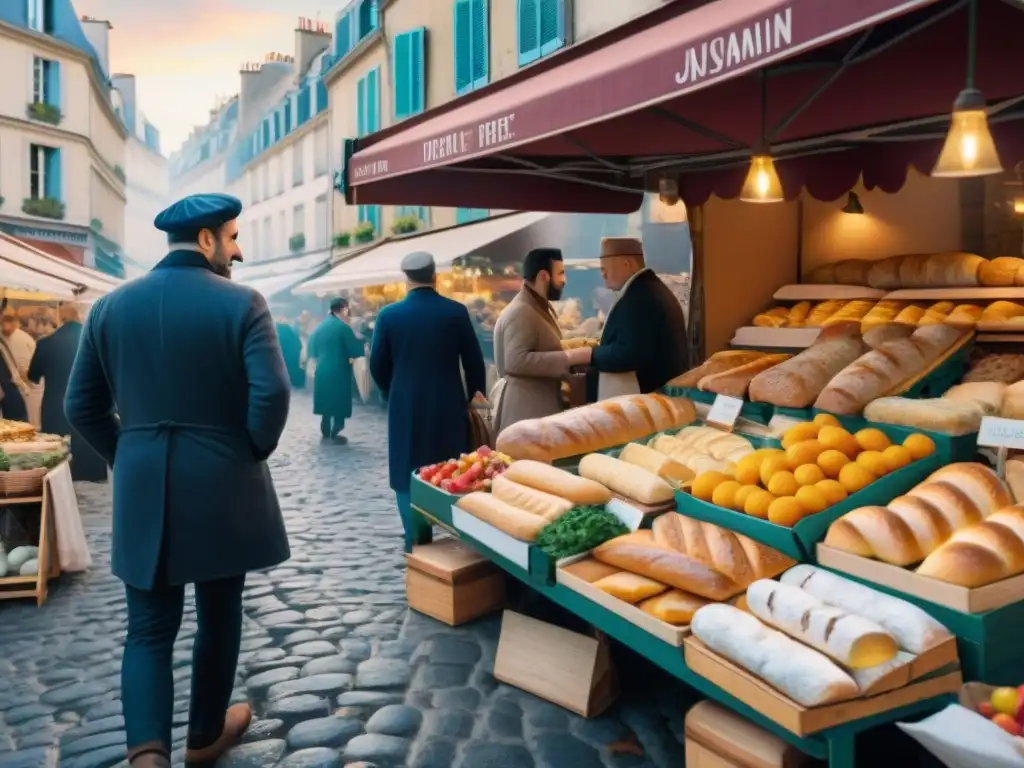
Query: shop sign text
x,y
732,50
489,133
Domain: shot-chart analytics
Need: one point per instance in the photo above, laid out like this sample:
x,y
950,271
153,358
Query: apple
x,y
1005,701
1007,723
985,709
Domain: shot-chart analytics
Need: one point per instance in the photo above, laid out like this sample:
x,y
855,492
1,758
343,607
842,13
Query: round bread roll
x,y
1000,271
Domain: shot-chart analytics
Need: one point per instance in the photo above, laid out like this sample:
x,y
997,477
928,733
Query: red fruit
x,y
446,485
985,709
1007,723
484,450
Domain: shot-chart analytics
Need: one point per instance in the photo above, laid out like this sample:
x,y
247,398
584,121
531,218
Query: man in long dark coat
x,y
418,347
291,348
180,385
334,345
51,364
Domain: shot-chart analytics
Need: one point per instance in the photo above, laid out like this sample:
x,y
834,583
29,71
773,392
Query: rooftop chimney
x,y
311,38
97,32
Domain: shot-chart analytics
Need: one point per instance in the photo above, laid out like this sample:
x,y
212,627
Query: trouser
x,y
330,426
417,530
147,681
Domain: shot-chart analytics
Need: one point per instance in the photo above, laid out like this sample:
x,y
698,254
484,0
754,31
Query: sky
x,y
186,54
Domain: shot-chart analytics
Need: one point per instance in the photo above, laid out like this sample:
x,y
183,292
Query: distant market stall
x,y
48,278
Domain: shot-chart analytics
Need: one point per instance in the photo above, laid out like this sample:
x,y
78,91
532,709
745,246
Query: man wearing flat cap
x,y
528,344
179,384
422,347
334,345
643,345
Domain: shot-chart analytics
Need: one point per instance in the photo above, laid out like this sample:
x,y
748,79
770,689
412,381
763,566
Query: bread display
x,y
536,502
517,523
801,673
1015,479
627,480
701,449
1002,369
934,270
987,395
913,526
657,463
1013,402
1003,312
876,337
558,482
720,362
882,370
981,554
673,607
946,415
854,642
1001,271
589,570
734,382
915,631
629,587
590,428
797,382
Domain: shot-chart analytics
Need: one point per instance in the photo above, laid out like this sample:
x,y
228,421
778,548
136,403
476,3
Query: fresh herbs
x,y
33,460
579,530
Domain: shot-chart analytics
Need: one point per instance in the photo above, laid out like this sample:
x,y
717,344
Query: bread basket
x,y
22,482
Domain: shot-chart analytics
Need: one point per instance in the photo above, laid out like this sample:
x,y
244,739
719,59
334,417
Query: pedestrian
x,y
291,348
180,385
51,365
15,356
528,344
643,344
334,345
421,347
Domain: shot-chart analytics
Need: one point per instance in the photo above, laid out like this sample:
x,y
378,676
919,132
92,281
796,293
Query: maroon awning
x,y
583,134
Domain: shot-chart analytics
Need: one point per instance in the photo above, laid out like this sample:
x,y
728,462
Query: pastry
x,y
981,554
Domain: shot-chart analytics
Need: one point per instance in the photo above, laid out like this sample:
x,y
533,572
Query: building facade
x,y
200,164
62,141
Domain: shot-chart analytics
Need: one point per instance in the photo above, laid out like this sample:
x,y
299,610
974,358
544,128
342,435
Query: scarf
x,y
543,306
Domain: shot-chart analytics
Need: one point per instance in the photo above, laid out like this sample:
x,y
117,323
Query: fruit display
x,y
469,472
819,464
1005,708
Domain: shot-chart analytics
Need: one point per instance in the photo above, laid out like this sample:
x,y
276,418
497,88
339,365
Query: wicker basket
x,y
22,482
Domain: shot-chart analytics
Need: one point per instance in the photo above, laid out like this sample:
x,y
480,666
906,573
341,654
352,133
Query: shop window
x,y
40,16
368,102
370,213
46,82
541,28
409,66
467,215
472,46
44,173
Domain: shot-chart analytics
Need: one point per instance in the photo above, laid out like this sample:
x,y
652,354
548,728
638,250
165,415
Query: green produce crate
x,y
759,412
798,542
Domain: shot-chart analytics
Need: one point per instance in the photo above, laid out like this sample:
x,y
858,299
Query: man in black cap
x,y
334,345
421,346
180,385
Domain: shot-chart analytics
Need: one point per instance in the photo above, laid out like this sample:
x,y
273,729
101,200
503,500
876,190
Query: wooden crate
x,y
719,738
452,582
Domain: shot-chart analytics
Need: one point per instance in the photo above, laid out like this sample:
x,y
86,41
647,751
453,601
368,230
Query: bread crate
x,y
453,583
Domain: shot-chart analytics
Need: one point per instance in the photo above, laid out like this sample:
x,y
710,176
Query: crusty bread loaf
x,y
910,316
629,587
1013,402
1000,271
952,417
627,480
517,523
882,370
589,570
558,482
914,270
988,394
824,274
673,607
981,554
660,464
885,273
854,642
978,482
1015,479
879,335
852,272
717,363
589,428
952,269
914,630
797,382
1002,312
803,674
964,316
735,382
539,503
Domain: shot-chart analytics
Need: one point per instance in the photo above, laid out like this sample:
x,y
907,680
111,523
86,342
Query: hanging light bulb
x,y
853,204
969,149
762,184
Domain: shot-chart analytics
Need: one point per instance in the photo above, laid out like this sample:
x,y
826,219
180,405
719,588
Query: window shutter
x,y
361,107
463,46
374,15
373,97
552,25
343,34
375,219
402,76
480,43
53,173
53,85
321,95
417,70
529,31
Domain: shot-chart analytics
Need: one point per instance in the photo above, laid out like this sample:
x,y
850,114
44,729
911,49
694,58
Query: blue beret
x,y
206,211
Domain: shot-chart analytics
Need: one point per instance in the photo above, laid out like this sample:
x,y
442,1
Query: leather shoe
x,y
236,723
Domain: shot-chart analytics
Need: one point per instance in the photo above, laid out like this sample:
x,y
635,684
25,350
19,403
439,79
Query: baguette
x,y
558,482
938,414
637,553
981,554
625,479
659,464
589,570
734,383
915,631
797,382
801,673
629,587
885,273
673,607
879,335
717,363
589,428
516,522
536,502
854,642
988,394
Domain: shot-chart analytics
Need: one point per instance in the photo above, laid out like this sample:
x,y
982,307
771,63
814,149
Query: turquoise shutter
x,y
529,31
373,99
463,46
481,43
361,107
53,94
552,25
343,34
417,67
374,15
51,158
402,75
375,218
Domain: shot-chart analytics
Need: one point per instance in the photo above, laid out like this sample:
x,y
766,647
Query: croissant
x,y
984,553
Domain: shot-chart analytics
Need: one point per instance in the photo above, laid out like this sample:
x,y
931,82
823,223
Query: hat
x,y
195,212
338,304
621,246
418,261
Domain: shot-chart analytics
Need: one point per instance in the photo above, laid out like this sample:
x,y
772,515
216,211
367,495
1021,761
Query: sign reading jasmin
x,y
741,46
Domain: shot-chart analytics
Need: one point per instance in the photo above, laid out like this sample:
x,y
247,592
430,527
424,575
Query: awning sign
x,y
720,54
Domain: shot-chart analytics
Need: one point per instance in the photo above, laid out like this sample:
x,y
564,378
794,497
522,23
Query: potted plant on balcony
x,y
46,207
364,232
343,240
96,226
119,172
297,242
403,225
44,113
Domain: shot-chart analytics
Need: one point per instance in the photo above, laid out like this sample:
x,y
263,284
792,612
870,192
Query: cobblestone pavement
x,y
339,671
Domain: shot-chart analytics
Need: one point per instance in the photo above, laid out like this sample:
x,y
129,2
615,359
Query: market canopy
x,y
25,268
271,278
382,265
871,81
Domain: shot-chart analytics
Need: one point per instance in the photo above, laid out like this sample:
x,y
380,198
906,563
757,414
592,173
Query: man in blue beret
x,y
180,385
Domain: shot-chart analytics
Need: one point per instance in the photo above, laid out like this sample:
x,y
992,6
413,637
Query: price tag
x,y
780,423
724,411
1001,433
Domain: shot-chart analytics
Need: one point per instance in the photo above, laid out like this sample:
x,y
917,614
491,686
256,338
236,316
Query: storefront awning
x,y
27,268
278,276
382,265
585,129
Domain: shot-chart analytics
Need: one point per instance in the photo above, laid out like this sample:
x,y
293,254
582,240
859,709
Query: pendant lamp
x,y
969,149
853,204
762,184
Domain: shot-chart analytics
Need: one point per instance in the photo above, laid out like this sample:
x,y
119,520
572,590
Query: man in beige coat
x,y
528,345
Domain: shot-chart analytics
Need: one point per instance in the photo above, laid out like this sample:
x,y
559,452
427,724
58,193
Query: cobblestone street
x,y
337,668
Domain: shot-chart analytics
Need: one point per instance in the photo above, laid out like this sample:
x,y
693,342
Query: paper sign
x,y
629,515
1001,433
724,411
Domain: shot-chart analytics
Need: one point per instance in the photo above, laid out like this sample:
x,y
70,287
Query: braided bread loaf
x,y
981,554
911,527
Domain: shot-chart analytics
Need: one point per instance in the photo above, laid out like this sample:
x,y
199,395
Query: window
x,y
266,132
408,78
321,222
298,220
40,15
254,186
288,116
44,173
370,213
303,105
264,181
46,82
472,47
541,28
298,170
467,215
282,231
277,173
368,102
320,159
343,34
321,95
255,228
368,17
267,245
421,212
